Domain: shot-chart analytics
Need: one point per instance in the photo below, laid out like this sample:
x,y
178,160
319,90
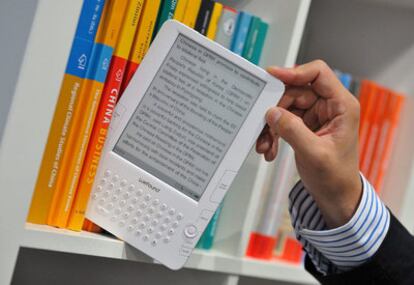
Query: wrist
x,y
339,201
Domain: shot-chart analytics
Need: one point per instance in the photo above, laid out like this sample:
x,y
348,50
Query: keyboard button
x,y
142,225
147,197
110,206
118,191
163,227
114,198
146,218
94,196
154,242
122,203
158,235
138,213
156,202
130,208
106,193
107,173
175,225
151,210
145,238
167,220
180,216
101,201
150,230
102,211
130,228
154,222
118,211
140,192
143,205
123,183
99,188
110,186
134,200
131,187
113,218
102,181
158,215
138,232
121,223
163,207
125,215
171,232
166,240
134,220
126,195
171,212
115,178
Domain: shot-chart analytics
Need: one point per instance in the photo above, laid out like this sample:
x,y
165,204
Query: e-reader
x,y
179,135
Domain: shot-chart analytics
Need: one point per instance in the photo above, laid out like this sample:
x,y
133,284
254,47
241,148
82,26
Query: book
x,y
142,39
110,93
73,79
166,12
214,21
226,27
374,130
240,34
386,143
367,99
204,16
180,10
255,40
191,13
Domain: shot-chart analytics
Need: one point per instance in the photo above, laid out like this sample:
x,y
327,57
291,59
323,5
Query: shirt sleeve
x,y
346,247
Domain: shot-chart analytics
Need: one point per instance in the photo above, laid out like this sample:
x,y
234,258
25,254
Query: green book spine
x,y
166,13
255,40
207,239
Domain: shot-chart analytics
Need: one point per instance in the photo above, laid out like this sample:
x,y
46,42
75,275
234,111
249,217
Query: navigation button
x,y
185,251
190,231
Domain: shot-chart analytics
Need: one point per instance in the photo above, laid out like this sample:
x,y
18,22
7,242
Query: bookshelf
x,y
26,133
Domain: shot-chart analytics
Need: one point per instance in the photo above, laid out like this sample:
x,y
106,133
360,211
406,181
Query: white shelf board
x,y
49,238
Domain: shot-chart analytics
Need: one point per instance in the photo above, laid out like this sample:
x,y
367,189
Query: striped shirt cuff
x,y
346,247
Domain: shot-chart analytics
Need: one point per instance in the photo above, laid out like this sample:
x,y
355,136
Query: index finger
x,y
317,74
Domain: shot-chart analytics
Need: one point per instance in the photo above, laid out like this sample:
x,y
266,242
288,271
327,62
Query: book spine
x,y
207,239
214,21
62,119
166,13
255,40
374,133
110,92
393,117
242,28
226,27
142,39
368,99
204,16
114,18
180,10
191,13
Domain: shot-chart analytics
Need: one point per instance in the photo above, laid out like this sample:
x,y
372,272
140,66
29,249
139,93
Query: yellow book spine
x,y
215,18
129,29
113,25
191,13
52,157
146,27
180,10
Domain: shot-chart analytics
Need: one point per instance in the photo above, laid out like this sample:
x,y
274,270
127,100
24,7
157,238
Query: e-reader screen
x,y
189,117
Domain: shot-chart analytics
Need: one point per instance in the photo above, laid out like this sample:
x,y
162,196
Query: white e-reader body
x,y
179,135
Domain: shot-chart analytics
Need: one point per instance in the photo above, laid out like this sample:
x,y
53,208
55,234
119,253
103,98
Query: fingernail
x,y
276,115
273,68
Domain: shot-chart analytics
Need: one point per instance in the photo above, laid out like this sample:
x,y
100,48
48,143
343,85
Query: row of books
x,y
380,114
111,40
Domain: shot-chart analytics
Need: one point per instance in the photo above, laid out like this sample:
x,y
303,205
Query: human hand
x,y
319,118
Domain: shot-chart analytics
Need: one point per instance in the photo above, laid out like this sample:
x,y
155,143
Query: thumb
x,y
292,129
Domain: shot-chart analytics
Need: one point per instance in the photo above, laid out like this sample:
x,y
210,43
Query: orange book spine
x,y
91,227
366,122
390,124
375,128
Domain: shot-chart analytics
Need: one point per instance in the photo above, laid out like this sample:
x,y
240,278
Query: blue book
x,y
346,80
240,35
